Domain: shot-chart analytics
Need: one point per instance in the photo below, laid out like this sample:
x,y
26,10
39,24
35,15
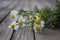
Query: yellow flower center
x,y
37,21
12,16
12,26
39,15
37,28
31,17
20,22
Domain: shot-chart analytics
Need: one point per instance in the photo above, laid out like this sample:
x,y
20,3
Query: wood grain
x,y
5,12
5,33
48,34
25,33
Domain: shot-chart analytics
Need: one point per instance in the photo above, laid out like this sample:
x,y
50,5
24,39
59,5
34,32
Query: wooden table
x,y
23,34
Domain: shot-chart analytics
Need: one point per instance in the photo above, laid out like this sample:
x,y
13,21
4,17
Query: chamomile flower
x,y
22,21
39,15
13,14
39,27
14,26
37,21
31,17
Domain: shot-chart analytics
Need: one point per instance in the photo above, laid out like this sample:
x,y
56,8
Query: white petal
x,y
21,17
37,17
24,19
42,24
9,27
23,25
14,12
16,27
14,22
35,27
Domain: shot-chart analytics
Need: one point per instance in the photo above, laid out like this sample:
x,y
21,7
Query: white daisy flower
x,y
42,24
13,14
14,26
31,17
39,27
22,21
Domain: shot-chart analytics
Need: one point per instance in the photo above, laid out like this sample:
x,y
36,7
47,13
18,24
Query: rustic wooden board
x,y
48,34
4,12
25,33
5,33
5,4
41,3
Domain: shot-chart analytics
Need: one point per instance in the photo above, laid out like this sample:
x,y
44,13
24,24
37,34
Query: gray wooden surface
x,y
25,33
48,34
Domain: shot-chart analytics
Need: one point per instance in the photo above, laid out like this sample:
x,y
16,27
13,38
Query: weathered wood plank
x,y
41,3
9,35
5,4
6,10
4,14
48,34
5,33
23,34
1,1
23,4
